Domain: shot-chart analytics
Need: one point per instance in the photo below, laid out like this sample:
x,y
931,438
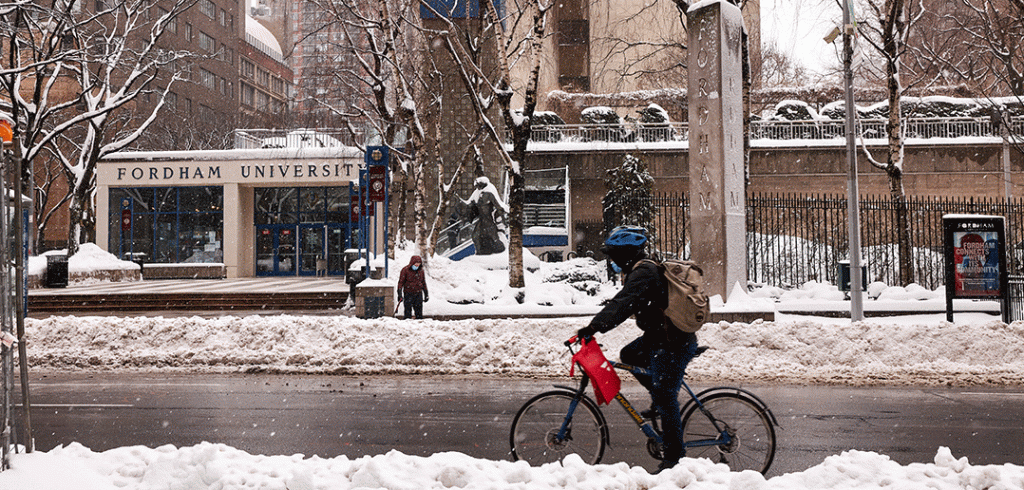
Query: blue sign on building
x,y
457,9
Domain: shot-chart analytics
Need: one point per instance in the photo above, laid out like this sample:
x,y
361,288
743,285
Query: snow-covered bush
x,y
600,115
540,126
612,128
794,110
654,124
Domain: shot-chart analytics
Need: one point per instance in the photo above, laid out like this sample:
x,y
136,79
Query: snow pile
x,y
916,350
216,466
90,258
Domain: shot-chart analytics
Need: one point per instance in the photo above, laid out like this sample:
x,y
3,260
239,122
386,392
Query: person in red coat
x,y
412,286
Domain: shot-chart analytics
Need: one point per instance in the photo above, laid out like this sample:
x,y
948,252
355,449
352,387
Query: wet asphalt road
x,y
354,416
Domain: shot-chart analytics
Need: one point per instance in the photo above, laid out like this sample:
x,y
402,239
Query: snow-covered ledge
x,y
91,263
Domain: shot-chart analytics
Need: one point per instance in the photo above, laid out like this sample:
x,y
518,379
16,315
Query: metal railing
x,y
627,133
954,127
293,138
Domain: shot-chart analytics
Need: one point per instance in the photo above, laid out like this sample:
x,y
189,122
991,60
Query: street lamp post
x,y
853,201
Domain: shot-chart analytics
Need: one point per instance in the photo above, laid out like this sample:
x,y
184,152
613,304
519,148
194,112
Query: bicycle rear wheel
x,y
534,436
752,433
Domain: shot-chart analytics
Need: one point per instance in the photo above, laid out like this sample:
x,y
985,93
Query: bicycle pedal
x,y
649,414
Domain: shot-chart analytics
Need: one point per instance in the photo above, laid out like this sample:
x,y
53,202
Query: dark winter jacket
x,y
410,281
644,294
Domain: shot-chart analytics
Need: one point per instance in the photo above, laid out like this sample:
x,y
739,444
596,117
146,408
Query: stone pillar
x,y
715,100
375,296
232,227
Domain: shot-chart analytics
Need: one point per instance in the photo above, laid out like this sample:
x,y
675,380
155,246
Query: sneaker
x,y
650,413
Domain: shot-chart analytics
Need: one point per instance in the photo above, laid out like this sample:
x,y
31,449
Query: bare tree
x,y
887,30
124,62
517,43
36,82
982,44
78,72
384,67
638,45
775,68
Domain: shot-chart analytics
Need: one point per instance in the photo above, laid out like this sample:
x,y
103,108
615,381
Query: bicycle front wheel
x,y
537,435
751,432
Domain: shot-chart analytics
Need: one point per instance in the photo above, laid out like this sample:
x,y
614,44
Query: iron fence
x,y
1015,302
796,238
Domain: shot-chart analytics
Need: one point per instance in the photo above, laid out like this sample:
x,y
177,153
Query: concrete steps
x,y
89,303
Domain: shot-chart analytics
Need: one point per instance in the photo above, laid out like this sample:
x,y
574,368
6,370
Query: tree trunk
x,y
516,199
893,29
82,219
420,209
399,183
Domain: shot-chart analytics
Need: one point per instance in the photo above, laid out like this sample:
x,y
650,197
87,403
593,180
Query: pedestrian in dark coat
x,y
412,287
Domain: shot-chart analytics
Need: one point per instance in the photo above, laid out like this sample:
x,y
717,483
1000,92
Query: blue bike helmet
x,y
626,236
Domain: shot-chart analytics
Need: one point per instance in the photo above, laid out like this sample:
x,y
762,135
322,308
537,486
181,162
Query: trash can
x,y
56,271
844,276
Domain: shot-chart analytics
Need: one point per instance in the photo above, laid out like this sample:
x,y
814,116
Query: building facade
x,y
272,212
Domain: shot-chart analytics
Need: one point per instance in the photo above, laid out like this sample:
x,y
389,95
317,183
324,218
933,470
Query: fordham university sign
x,y
715,99
204,173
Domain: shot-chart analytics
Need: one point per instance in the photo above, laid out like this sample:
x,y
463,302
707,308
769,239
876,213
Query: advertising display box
x,y
975,259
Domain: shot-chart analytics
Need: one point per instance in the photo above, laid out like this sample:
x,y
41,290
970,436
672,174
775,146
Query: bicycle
x,y
724,424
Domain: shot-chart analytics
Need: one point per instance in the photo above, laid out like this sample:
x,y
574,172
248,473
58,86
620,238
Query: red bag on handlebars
x,y
601,373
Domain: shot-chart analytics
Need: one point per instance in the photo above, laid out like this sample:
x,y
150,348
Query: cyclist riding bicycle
x,y
663,349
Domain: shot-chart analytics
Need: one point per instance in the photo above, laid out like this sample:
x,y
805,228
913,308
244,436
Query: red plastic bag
x,y
602,375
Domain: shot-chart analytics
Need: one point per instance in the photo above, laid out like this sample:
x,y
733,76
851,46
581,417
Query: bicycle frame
x,y
646,426
724,424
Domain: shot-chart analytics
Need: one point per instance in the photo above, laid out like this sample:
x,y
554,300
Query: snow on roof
x,y
238,154
263,35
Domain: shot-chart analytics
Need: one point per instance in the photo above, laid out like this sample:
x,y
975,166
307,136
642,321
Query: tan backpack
x,y
688,305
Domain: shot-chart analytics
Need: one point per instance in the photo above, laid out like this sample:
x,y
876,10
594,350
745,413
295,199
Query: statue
x,y
487,209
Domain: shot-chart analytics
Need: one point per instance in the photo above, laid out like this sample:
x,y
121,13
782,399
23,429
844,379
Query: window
x,y
172,23
207,79
172,100
248,68
223,18
188,31
170,224
262,101
287,205
209,8
248,95
206,42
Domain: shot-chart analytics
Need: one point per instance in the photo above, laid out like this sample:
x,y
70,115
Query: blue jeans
x,y
667,367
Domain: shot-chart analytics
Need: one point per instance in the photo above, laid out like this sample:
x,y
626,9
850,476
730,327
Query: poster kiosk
x,y
975,259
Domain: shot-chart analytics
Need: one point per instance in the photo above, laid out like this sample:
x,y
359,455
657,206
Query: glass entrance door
x,y
276,253
337,243
311,249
